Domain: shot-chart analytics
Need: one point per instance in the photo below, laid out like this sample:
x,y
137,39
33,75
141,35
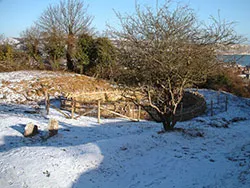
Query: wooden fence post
x,y
139,113
72,108
99,111
129,111
133,111
47,102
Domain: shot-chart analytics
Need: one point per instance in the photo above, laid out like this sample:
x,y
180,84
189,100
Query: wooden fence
x,y
125,109
100,109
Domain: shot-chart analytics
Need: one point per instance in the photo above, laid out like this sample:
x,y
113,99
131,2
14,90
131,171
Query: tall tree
x,y
69,18
164,51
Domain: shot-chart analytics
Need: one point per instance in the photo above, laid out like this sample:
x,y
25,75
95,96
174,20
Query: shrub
x,y
227,79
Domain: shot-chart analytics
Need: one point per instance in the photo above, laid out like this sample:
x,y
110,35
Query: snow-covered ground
x,y
212,151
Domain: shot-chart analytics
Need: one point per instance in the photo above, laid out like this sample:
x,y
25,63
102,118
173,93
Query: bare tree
x,y
163,52
68,18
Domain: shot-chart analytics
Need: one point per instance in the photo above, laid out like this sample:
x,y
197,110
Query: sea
x,y
243,60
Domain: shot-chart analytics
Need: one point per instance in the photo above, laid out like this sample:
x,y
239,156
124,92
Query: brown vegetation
x,y
58,83
228,79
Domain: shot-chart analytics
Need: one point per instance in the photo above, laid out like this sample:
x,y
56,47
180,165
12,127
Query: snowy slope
x,y
213,151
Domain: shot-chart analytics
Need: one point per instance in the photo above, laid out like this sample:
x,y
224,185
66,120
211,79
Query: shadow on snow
x,y
69,135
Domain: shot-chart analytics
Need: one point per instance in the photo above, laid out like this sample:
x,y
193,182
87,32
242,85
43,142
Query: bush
x,y
12,59
84,53
95,57
228,80
102,63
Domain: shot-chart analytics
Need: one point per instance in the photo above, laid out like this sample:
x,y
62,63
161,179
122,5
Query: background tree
x,y
6,50
103,59
69,18
54,47
84,52
95,56
32,45
165,51
11,58
7,53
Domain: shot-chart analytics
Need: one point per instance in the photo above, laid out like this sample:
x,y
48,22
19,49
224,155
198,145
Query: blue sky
x,y
17,15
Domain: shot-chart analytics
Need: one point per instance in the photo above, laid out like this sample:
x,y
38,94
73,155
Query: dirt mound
x,y
25,86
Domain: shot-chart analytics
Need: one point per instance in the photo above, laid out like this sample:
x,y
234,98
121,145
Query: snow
x,y
212,151
18,76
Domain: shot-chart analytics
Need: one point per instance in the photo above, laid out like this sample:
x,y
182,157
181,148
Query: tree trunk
x,y
168,121
69,53
70,63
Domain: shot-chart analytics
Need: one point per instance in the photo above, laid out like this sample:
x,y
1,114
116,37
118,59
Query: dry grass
x,y
59,83
68,84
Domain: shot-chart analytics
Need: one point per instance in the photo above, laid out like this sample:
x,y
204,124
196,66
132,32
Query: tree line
x,y
158,52
63,36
